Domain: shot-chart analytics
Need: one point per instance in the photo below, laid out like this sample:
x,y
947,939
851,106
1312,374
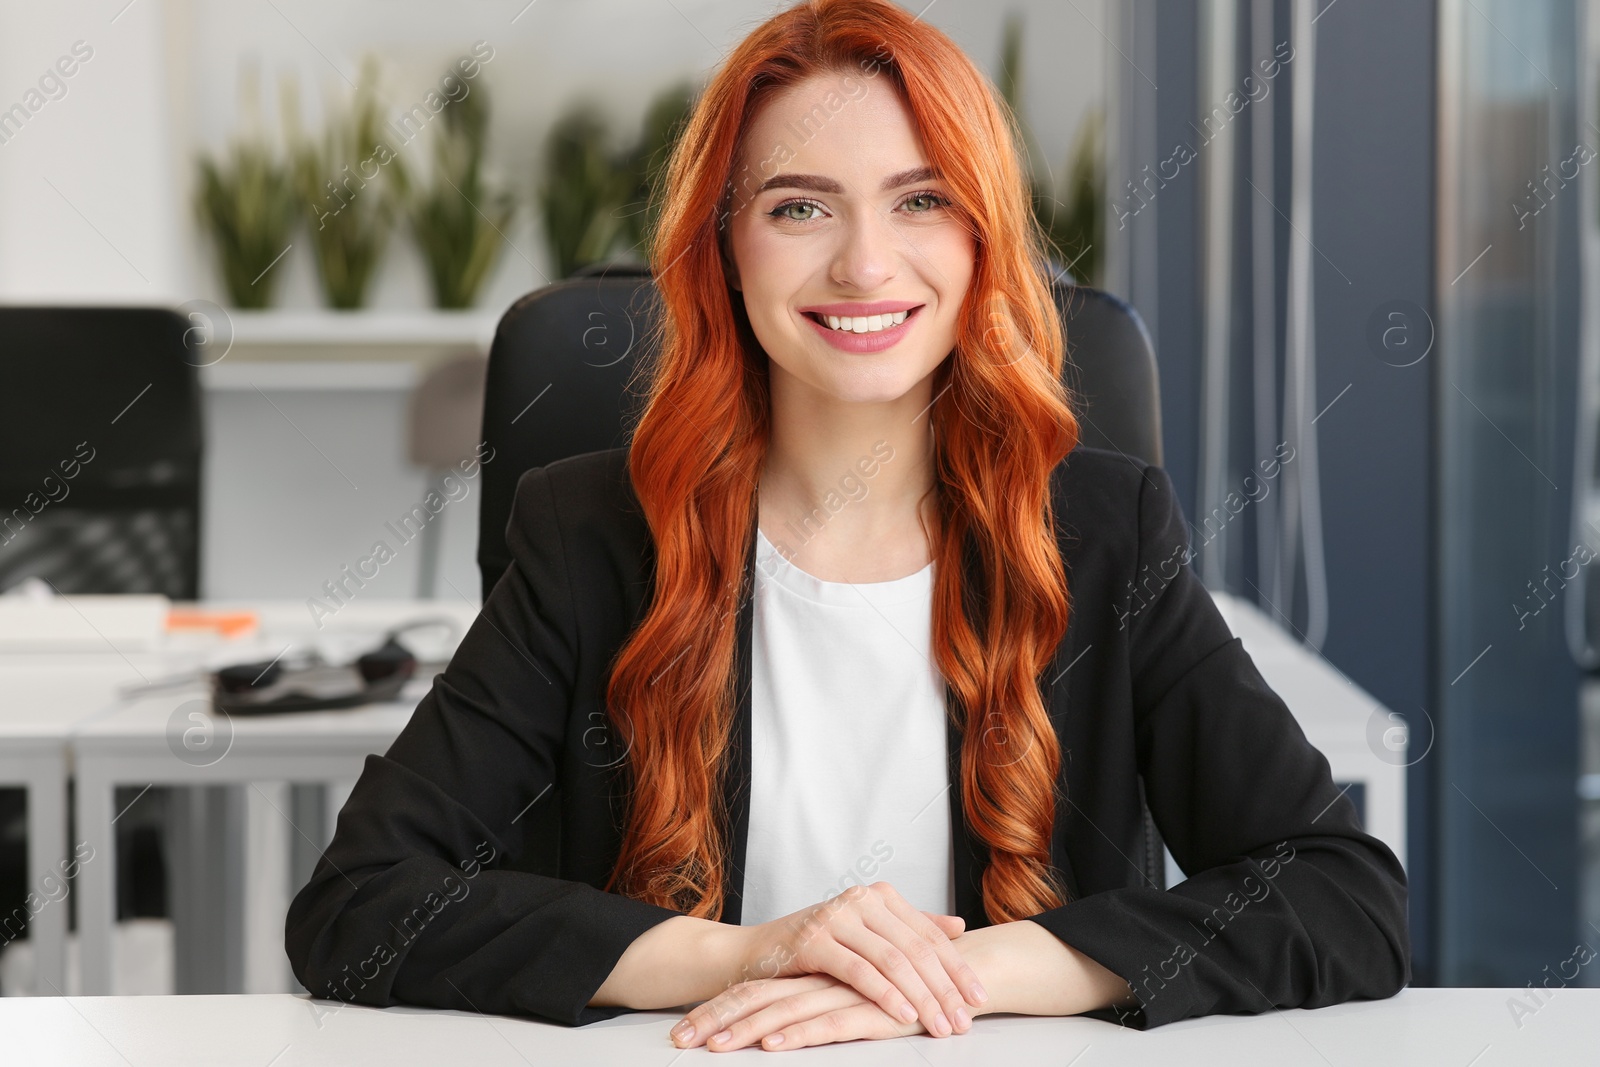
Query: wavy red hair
x,y
698,448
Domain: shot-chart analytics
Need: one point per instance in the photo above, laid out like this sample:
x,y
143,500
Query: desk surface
x,y
42,696
1419,1027
47,696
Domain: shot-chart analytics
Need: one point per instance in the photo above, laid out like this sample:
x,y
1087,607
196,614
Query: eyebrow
x,y
818,184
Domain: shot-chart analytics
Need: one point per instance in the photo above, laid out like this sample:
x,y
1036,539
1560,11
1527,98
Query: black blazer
x,y
434,890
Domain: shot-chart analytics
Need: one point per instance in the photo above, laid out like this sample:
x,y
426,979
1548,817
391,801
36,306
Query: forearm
x,y
1028,970
678,961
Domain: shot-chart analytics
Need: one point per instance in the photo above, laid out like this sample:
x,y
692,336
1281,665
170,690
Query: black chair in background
x,y
100,450
558,385
100,446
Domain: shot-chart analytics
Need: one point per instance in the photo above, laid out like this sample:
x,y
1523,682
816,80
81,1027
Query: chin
x,y
858,377
870,389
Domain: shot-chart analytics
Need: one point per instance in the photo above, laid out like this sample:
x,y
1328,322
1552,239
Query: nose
x,y
867,255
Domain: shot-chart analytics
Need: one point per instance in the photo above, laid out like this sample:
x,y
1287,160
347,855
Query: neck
x,y
841,478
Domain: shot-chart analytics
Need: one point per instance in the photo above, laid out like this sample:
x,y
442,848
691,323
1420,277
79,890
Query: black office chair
x,y
100,449
563,357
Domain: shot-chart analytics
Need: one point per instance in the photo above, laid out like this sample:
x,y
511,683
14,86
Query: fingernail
x,y
979,994
962,1017
907,1012
774,1039
942,1024
722,1037
683,1032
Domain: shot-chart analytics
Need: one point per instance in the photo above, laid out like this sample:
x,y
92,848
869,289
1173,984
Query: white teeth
x,y
865,323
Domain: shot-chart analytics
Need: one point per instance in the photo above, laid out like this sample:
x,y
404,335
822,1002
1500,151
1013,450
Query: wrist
x,y
757,952
727,950
1027,970
982,951
680,960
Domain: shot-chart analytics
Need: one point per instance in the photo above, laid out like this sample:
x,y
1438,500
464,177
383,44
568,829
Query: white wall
x,y
301,486
88,197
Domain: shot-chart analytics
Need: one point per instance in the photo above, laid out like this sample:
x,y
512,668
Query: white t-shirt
x,y
848,779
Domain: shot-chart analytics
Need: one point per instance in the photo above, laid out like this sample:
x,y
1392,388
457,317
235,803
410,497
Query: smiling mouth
x,y
863,324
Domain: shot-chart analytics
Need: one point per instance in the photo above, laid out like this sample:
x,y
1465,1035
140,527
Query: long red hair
x,y
697,451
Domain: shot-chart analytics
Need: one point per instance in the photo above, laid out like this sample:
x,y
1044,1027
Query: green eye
x,y
783,210
930,200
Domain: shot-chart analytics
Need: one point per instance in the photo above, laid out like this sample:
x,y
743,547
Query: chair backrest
x,y
100,449
563,357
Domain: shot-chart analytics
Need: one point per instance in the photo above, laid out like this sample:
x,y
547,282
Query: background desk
x,y
42,697
131,746
58,707
1416,1028
135,742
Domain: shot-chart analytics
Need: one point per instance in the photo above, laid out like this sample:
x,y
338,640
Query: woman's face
x,y
838,232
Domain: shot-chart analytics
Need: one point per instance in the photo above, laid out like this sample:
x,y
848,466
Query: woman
x,y
842,682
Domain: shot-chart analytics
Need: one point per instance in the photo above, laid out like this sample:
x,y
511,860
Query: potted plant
x,y
246,203
458,222
663,122
583,191
345,193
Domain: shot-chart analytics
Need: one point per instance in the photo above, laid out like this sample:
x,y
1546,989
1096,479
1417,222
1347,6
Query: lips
x,y
871,341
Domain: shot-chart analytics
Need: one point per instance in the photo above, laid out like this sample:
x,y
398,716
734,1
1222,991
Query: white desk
x,y
1416,1028
42,697
129,746
134,742
46,696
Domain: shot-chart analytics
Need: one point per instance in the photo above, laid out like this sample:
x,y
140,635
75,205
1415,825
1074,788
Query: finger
x,y
910,964
955,965
939,963
737,1002
833,957
952,925
794,1008
841,1024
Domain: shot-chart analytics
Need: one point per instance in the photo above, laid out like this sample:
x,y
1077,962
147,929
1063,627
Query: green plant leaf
x,y
459,222
246,204
644,163
346,194
583,191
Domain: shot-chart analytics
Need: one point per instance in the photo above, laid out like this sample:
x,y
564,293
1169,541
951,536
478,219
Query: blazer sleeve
x,y
1287,902
412,901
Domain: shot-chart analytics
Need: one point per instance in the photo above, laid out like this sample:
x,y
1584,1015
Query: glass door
x,y
1515,173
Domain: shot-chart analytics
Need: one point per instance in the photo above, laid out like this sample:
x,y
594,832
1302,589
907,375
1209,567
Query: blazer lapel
x,y
969,854
736,781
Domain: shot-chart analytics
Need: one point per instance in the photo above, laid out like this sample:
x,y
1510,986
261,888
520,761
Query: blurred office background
x,y
1361,234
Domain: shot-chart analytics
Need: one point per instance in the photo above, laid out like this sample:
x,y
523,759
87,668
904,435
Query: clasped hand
x,y
862,964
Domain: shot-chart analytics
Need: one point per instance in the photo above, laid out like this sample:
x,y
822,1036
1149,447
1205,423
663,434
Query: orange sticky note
x,y
226,623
